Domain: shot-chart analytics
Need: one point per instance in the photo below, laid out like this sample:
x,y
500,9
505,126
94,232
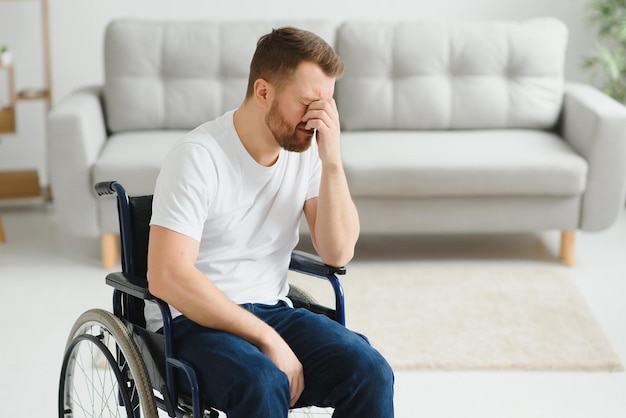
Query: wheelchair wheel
x,y
311,412
298,293
103,373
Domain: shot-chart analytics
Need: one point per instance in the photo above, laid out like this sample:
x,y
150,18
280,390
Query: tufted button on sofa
x,y
447,127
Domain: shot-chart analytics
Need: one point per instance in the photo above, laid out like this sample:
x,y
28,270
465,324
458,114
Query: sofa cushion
x,y
452,163
134,159
454,75
177,75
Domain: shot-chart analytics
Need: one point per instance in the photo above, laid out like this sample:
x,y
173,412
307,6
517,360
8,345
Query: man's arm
x,y
332,216
175,279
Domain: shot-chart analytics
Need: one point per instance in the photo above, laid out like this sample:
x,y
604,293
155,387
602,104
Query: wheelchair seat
x,y
130,368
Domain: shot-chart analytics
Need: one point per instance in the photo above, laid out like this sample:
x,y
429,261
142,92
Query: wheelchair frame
x,y
131,290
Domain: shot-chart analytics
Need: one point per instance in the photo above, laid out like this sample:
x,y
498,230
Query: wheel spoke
x,y
98,377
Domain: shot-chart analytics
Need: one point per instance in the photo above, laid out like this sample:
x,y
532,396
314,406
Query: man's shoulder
x,y
210,131
210,135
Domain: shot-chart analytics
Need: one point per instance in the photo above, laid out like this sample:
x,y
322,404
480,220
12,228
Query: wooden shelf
x,y
44,93
7,113
19,184
7,120
25,183
34,94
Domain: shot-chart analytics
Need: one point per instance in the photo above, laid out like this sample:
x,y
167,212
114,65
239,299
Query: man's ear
x,y
263,92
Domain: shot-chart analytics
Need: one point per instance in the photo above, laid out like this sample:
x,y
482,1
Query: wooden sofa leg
x,y
2,236
567,247
110,248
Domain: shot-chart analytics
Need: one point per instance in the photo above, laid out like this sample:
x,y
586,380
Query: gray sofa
x,y
448,127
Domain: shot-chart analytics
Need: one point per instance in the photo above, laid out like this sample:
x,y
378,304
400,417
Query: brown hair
x,y
279,53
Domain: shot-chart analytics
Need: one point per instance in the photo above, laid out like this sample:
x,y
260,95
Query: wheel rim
x,y
96,380
310,412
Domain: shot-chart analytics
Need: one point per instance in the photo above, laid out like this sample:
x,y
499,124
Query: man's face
x,y
290,137
284,119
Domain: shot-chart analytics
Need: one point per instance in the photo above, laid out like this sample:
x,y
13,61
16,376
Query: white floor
x,y
45,286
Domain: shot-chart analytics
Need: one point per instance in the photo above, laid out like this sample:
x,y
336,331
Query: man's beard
x,y
289,138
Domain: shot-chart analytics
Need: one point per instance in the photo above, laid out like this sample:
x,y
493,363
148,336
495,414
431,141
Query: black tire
x,y
103,373
311,412
299,294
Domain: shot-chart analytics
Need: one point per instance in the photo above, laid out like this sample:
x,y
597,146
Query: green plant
x,y
4,49
607,61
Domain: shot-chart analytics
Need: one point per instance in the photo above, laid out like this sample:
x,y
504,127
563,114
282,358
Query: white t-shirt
x,y
245,216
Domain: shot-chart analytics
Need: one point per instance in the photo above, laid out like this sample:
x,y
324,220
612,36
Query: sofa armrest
x,y
595,126
76,133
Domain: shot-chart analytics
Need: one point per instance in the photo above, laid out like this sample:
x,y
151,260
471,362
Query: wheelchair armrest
x,y
309,263
312,265
132,285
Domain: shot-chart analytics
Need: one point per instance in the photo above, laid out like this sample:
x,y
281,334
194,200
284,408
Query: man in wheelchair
x,y
226,212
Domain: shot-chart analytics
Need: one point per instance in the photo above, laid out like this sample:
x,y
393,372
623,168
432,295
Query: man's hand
x,y
283,357
323,116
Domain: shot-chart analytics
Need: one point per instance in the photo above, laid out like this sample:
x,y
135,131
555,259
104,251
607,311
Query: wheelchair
x,y
114,367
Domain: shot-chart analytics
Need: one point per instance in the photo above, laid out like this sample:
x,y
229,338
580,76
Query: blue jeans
x,y
341,369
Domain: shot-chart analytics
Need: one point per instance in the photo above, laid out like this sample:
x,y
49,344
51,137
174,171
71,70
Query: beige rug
x,y
456,318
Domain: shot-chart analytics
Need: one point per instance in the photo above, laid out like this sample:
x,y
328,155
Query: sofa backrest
x,y
399,75
452,75
179,74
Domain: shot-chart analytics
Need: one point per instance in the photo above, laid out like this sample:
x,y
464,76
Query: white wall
x,y
77,25
77,28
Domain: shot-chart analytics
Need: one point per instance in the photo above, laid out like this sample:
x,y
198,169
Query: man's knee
x,y
374,369
368,391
